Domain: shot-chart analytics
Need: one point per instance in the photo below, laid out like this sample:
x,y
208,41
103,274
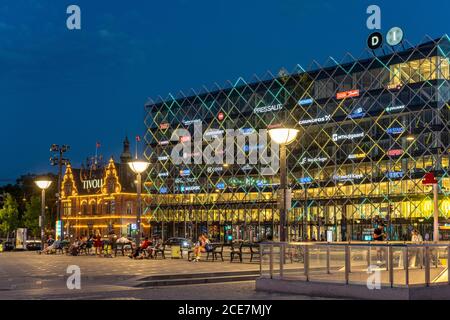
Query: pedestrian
x,y
98,243
379,235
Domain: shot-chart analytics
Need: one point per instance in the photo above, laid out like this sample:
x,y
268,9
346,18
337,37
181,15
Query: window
x,y
419,71
84,208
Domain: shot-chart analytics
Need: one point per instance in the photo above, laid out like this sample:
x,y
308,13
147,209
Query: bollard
x,y
448,262
307,262
407,266
328,259
261,249
427,266
391,265
347,264
282,257
271,261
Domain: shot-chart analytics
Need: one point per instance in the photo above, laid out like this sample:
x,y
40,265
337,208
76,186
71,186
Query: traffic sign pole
x,y
429,180
436,212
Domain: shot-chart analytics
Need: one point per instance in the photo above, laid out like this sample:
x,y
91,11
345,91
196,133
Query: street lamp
x,y
43,184
138,167
283,137
58,160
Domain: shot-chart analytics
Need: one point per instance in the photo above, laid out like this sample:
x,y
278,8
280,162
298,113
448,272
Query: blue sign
x,y
185,172
220,186
358,113
395,130
395,174
305,180
163,190
306,102
247,130
247,148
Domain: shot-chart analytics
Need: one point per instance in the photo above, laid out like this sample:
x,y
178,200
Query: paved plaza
x,y
28,275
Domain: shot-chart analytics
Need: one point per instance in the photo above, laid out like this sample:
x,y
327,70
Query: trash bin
x,y
175,252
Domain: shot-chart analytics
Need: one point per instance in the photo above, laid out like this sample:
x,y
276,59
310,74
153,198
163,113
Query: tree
x,y
31,215
9,216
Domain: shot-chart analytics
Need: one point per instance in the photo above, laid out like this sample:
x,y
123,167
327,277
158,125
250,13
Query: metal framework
x,y
370,130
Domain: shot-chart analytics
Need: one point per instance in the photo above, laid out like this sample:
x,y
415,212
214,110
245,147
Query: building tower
x,y
126,154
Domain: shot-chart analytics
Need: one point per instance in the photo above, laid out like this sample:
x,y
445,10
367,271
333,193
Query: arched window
x,y
84,208
93,206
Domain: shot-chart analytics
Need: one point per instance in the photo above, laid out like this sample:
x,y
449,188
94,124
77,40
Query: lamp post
x,y
60,161
43,184
283,137
138,167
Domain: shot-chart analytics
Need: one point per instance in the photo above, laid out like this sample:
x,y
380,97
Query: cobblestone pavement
x,y
27,275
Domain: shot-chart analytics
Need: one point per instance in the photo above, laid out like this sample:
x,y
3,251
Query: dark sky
x,y
79,87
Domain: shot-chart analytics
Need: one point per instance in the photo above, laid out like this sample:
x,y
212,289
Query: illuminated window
x,y
414,71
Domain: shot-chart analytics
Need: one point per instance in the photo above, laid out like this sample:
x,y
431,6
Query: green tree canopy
x,y
31,215
9,215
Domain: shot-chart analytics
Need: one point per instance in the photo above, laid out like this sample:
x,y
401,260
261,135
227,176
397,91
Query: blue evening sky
x,y
79,87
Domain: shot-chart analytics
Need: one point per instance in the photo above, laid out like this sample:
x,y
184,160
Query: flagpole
x,y
96,149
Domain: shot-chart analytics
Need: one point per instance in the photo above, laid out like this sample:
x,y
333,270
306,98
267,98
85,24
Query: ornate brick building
x,y
100,196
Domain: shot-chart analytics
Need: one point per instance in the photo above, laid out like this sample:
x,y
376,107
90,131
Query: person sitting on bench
x,y
144,245
56,245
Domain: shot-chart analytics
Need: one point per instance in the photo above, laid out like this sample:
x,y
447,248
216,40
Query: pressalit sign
x,y
266,109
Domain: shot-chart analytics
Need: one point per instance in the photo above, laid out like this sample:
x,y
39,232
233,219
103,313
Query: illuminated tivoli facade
x,y
100,196
370,130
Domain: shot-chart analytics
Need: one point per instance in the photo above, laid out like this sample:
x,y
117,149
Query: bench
x,y
217,250
160,250
236,250
122,247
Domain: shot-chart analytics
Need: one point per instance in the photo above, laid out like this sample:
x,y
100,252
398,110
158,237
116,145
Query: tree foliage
x,y
9,215
31,215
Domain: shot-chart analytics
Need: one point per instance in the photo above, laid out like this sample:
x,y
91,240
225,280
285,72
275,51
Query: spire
x,y
126,154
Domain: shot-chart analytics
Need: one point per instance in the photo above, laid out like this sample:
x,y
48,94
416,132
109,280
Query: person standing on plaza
x,y
378,236
415,253
98,243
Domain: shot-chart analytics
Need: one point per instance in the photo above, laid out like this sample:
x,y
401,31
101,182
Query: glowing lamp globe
x,y
138,166
43,184
283,136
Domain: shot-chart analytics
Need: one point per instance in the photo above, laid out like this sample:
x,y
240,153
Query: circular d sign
x,y
375,40
394,36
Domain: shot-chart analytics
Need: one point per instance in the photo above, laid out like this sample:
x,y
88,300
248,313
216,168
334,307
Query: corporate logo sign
x,y
323,119
267,109
215,147
338,137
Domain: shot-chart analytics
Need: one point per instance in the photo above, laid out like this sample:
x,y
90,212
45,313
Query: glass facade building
x,y
370,130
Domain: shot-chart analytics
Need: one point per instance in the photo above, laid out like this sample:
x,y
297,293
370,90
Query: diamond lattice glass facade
x,y
369,131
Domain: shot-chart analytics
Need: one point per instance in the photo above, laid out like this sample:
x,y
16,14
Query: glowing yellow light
x,y
43,184
283,136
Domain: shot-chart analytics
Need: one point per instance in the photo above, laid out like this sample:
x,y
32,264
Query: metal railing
x,y
393,264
